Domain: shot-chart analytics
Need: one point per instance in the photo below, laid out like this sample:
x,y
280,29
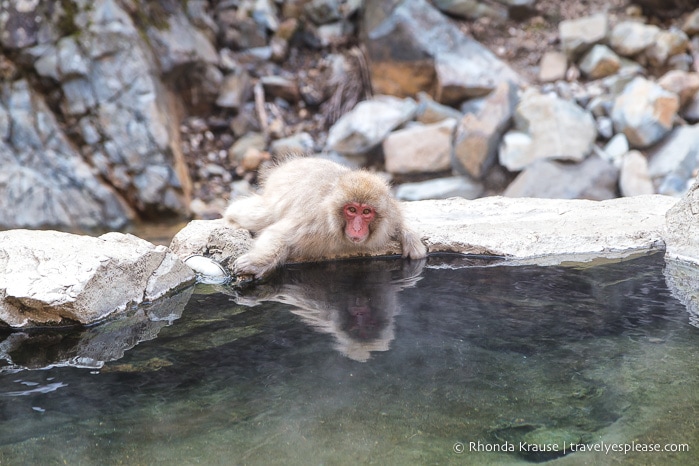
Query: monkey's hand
x,y
268,252
249,265
413,248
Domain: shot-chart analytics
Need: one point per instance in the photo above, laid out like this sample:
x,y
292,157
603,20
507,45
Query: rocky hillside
x,y
113,111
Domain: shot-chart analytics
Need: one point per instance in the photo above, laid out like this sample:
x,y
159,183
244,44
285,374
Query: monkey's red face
x,y
357,219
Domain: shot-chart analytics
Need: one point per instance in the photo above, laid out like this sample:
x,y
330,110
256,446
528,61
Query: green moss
x,y
152,14
66,18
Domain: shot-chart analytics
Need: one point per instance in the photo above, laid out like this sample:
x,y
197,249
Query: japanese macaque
x,y
313,208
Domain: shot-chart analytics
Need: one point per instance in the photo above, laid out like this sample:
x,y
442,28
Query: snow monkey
x,y
312,208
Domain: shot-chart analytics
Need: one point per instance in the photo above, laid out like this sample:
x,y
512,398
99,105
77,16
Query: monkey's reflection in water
x,y
356,301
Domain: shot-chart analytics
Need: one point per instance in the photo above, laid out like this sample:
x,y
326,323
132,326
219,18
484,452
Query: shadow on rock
x,y
682,279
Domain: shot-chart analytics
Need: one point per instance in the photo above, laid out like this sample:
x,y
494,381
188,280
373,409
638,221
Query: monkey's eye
x,y
352,210
366,211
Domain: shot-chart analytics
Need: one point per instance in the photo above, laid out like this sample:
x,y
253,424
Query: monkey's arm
x,y
249,213
269,251
413,247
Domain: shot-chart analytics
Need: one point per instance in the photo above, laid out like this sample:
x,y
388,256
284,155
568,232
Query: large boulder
x,y
108,70
52,278
477,135
545,231
368,123
547,127
412,47
44,181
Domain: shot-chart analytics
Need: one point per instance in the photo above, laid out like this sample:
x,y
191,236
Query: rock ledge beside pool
x,y
524,231
54,278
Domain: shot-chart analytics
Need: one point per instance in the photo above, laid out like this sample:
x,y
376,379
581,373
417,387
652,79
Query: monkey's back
x,y
300,181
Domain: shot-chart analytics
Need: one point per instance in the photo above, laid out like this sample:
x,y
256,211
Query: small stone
x,y
236,89
557,128
681,83
553,66
600,62
323,11
429,111
440,188
578,35
691,24
644,112
471,72
419,148
630,38
238,32
634,179
672,164
238,150
667,44
470,9
252,159
605,127
276,86
299,144
368,123
333,33
477,136
593,179
600,106
616,148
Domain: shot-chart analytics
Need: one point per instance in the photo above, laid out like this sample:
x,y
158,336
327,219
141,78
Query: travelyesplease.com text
x,y
565,448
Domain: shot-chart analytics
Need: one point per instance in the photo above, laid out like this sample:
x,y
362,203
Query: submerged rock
x,y
50,278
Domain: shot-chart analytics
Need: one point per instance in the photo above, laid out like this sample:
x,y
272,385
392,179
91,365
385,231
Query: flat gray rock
x,y
50,277
542,231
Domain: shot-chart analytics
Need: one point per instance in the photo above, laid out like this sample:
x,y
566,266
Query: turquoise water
x,y
456,361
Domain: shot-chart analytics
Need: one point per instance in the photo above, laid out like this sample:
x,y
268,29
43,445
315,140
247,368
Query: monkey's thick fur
x,y
299,215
